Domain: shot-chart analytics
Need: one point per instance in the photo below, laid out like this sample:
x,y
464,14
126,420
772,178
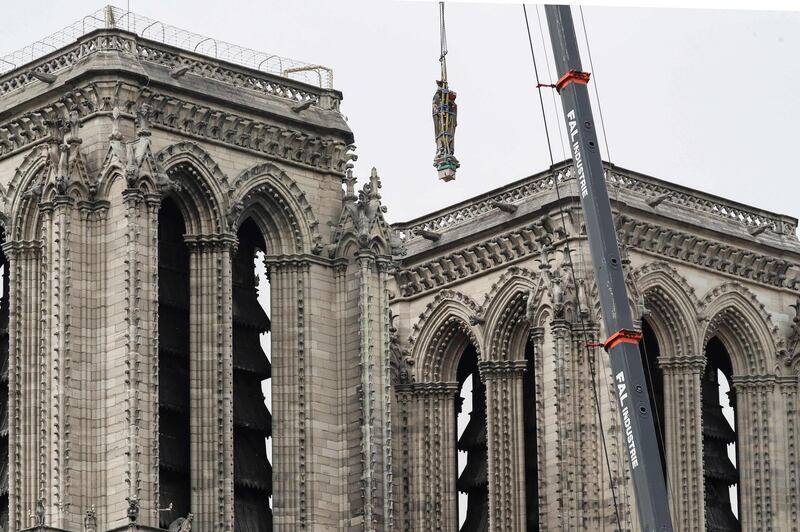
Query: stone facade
x,y
368,320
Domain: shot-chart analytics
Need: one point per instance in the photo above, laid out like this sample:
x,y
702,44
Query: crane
x,y
622,344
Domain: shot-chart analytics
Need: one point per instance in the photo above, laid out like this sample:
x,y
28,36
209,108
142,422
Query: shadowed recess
x,y
173,365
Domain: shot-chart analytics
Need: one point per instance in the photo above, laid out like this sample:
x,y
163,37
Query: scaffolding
x,y
111,17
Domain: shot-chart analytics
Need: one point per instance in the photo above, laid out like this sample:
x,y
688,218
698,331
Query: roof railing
x,y
111,17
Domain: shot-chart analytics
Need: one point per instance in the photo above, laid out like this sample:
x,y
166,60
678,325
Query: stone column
x,y
537,338
374,387
790,513
683,433
25,373
755,407
211,380
288,294
506,443
592,480
432,435
565,475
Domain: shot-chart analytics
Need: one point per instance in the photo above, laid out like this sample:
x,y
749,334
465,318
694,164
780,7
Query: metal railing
x,y
111,17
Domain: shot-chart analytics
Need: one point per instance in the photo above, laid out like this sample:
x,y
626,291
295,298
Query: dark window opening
x,y
252,420
474,478
719,441
173,365
650,351
531,443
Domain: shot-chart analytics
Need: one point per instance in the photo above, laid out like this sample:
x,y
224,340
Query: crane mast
x,y
623,342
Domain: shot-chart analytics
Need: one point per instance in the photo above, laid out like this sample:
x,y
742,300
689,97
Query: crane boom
x,y
622,344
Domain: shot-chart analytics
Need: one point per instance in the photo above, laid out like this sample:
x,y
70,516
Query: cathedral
x,y
436,374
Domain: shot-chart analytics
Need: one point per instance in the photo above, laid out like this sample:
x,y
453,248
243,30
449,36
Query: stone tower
x,y
139,182
427,375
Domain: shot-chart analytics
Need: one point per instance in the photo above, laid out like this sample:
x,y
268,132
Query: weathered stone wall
x,y
495,271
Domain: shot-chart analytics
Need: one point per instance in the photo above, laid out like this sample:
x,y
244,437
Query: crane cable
x,y
442,42
568,256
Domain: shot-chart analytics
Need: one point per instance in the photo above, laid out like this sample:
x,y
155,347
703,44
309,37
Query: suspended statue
x,y
444,115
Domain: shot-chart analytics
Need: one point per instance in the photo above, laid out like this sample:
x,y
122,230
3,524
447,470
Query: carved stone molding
x,y
511,246
467,262
326,153
283,194
706,253
501,368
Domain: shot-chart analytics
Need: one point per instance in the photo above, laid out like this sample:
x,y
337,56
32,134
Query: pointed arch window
x,y
531,441
473,480
252,371
650,352
719,441
173,365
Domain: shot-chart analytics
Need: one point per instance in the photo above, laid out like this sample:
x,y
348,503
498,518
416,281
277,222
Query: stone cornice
x,y
321,153
636,188
142,49
414,280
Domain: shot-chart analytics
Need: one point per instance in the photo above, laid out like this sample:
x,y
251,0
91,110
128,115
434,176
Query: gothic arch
x,y
278,206
440,335
21,209
505,316
201,186
673,308
735,315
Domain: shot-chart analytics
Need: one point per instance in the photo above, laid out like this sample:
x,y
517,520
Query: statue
x,y
557,294
530,307
182,524
90,520
74,125
133,508
444,127
40,513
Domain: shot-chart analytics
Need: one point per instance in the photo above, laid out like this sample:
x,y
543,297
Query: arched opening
x,y
173,365
719,441
531,442
4,418
473,465
252,420
650,351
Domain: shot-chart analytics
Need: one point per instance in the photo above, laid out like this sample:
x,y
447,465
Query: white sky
x,y
703,98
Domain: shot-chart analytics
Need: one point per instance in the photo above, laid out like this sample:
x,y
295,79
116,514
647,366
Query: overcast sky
x,y
707,99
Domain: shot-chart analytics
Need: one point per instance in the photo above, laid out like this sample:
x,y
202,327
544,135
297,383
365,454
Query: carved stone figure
x,y
557,296
133,508
182,524
39,516
530,308
90,520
